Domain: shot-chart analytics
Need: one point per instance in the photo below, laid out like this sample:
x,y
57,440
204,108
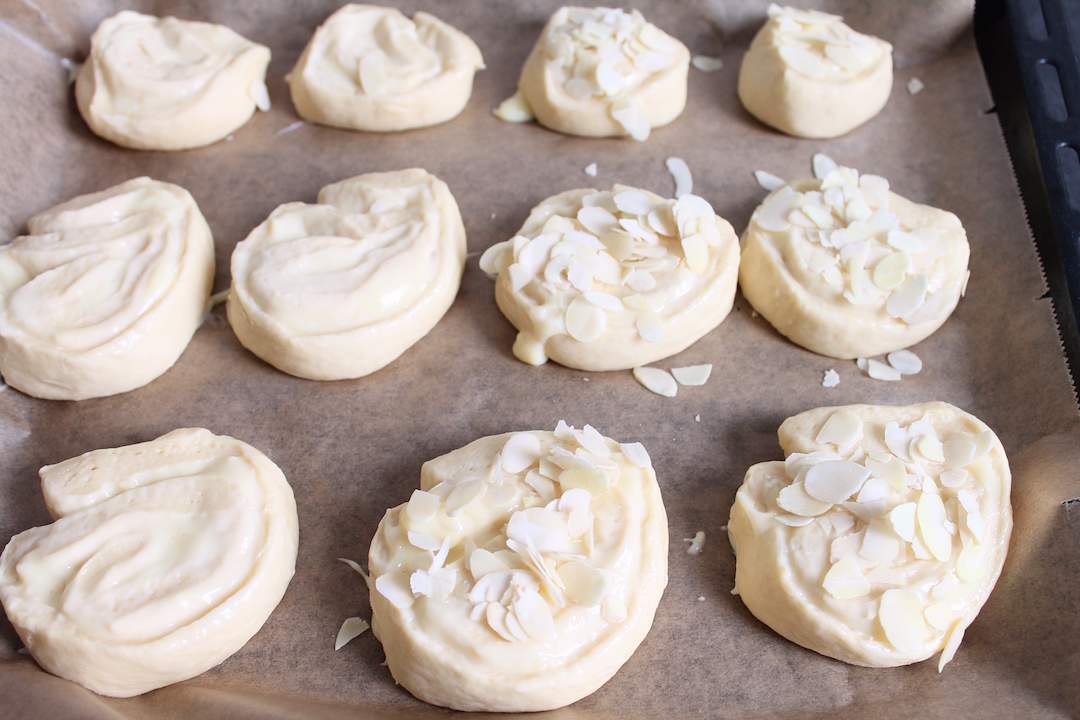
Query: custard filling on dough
x,y
601,72
810,75
523,573
846,268
165,558
341,288
104,294
880,536
166,84
371,68
606,280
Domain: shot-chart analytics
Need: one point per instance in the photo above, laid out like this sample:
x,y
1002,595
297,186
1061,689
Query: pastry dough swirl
x,y
371,68
523,573
165,558
166,84
105,293
341,288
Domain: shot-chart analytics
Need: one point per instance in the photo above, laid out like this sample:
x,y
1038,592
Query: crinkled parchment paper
x,y
353,448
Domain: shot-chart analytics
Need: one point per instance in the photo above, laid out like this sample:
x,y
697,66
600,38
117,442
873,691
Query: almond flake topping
x,y
901,617
680,173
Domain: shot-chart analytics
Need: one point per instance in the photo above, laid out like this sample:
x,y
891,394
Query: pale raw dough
x,y
105,292
166,84
880,537
165,558
846,268
603,72
616,279
371,68
341,288
808,74
524,572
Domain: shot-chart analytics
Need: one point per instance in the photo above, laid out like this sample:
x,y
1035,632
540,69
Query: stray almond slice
x,y
834,481
680,173
767,180
794,499
907,362
823,165
350,629
845,580
707,64
692,374
932,516
843,429
901,617
520,452
585,585
656,380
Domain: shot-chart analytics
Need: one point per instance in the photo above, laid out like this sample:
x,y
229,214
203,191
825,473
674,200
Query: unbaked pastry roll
x,y
613,280
523,573
166,557
808,74
880,536
165,84
371,68
341,288
846,268
602,72
104,294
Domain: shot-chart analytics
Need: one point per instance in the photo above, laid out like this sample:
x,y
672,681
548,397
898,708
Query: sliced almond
x,y
585,585
931,518
794,499
834,481
843,429
845,580
520,452
350,629
656,380
901,617
692,375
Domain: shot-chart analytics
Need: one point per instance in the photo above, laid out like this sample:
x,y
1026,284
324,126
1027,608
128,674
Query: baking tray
x,y
1031,52
351,449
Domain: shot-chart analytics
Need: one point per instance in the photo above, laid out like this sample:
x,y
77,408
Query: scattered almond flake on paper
x,y
767,180
692,374
915,86
707,64
831,379
697,418
880,371
822,165
701,598
590,169
290,127
697,543
350,629
356,567
680,172
656,380
73,69
905,362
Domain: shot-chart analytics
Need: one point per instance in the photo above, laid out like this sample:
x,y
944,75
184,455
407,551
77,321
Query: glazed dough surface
x,y
846,268
166,84
879,538
604,72
341,288
523,573
104,294
371,68
808,74
165,558
616,279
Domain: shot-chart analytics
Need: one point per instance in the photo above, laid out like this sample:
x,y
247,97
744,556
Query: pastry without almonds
x,y
165,558
523,573
165,84
846,268
601,72
808,74
341,288
880,536
105,292
611,280
371,68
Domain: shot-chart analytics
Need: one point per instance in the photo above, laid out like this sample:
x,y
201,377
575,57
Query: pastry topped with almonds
x,y
880,536
371,68
340,288
105,292
165,84
165,558
611,280
601,72
523,573
808,74
846,268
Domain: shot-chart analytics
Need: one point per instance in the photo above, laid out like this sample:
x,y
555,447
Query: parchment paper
x,y
351,449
